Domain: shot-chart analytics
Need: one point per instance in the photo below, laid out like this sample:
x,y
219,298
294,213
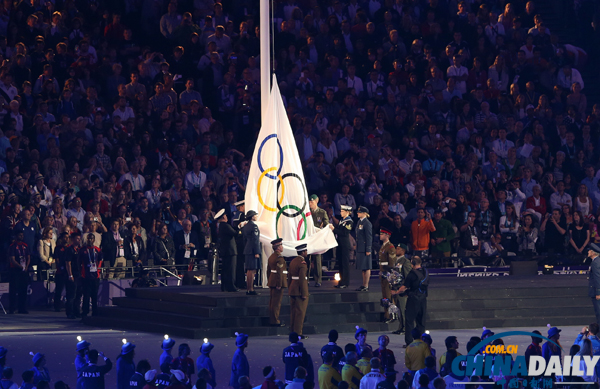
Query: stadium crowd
x,y
358,366
136,120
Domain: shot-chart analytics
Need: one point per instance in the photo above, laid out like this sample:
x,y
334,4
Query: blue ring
x,y
280,159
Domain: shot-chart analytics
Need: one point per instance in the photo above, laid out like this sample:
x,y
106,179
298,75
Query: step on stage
x,y
454,303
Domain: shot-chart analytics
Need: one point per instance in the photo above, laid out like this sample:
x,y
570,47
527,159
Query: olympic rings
x,y
280,158
298,230
303,220
299,211
260,199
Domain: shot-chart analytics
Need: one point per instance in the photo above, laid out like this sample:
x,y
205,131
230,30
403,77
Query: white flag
x,y
276,189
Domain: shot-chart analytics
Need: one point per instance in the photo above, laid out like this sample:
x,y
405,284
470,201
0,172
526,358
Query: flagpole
x,y
265,63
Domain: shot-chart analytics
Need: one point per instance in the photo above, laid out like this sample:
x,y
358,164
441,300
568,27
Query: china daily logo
x,y
503,365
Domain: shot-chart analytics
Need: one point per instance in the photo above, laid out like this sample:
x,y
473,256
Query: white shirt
x,y
407,166
355,83
137,183
370,380
398,209
556,198
454,71
492,31
79,215
125,114
153,198
195,181
501,147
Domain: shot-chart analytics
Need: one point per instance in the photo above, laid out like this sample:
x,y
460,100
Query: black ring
x,y
298,213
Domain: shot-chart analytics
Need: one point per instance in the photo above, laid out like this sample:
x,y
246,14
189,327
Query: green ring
x,y
295,208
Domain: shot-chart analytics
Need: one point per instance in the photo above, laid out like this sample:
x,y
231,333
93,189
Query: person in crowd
x,y
204,362
92,376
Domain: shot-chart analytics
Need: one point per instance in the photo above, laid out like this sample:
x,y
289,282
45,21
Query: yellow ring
x,y
260,200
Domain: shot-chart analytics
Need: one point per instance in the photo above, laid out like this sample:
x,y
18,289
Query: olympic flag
x,y
276,189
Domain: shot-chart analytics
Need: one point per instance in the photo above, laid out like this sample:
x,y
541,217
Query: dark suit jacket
x,y
109,248
594,280
141,249
364,236
251,238
179,241
227,244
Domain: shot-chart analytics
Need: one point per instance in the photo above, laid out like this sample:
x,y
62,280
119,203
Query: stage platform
x,y
453,303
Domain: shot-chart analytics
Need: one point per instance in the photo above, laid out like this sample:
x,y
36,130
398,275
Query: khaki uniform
x,y
400,301
277,279
298,288
321,220
387,259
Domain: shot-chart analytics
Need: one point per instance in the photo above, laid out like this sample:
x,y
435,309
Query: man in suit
x,y
498,207
594,279
364,241
298,290
186,244
251,250
113,249
321,220
277,281
227,250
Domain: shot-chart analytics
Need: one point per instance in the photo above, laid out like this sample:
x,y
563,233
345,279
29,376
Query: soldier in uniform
x,y
321,220
404,267
298,290
277,281
238,223
416,284
228,251
387,260
364,242
342,231
251,251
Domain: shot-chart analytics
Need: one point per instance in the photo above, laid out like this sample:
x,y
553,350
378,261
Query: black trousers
x,y
60,283
17,289
90,292
240,271
343,258
73,288
596,304
228,270
416,310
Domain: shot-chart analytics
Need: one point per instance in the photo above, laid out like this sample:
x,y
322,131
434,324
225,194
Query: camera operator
x,y
166,214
